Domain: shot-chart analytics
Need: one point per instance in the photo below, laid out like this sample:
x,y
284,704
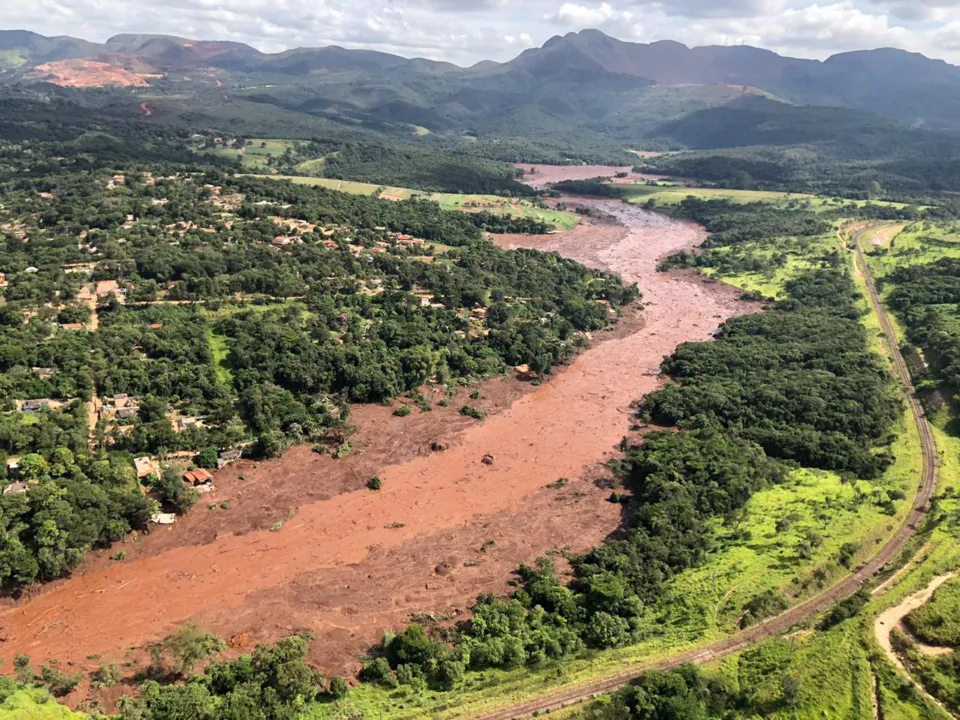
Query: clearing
x,y
559,219
89,73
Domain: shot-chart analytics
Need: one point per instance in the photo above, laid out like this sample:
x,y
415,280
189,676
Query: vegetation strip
x,y
781,623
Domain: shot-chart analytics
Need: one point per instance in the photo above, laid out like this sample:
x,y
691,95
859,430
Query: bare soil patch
x,y
346,563
892,618
80,73
546,174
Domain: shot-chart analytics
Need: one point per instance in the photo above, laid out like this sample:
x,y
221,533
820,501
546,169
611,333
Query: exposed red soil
x,y
80,73
146,109
546,174
351,563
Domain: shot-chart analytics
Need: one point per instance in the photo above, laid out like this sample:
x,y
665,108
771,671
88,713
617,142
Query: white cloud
x,y
581,16
465,31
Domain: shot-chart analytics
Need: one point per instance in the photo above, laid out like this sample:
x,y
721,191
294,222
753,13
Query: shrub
x,y
338,688
378,671
402,411
473,412
374,483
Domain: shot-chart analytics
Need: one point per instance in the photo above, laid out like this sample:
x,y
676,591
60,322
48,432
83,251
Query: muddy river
x,y
445,526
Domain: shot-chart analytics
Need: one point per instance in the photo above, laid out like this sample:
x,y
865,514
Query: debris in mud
x,y
438,446
488,459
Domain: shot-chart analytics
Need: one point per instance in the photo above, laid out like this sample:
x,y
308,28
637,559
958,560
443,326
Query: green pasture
x,y
517,207
257,153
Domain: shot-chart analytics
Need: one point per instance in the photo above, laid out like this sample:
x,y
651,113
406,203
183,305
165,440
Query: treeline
x,y
769,390
423,169
70,503
926,297
595,187
731,223
799,380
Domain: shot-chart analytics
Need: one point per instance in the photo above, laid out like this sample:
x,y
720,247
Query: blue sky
x,y
466,31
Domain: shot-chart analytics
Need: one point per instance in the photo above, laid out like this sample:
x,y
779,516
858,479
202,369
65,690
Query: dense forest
x,y
926,296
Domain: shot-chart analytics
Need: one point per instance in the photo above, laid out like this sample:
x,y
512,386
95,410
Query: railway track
x,y
812,607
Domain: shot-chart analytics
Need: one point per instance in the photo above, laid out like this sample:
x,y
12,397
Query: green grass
x,y
11,59
36,704
257,155
675,195
938,622
560,220
919,243
220,347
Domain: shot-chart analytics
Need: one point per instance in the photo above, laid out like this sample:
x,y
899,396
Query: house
x,y
34,405
127,413
186,422
197,477
121,400
44,372
13,465
146,466
72,326
17,488
164,518
229,456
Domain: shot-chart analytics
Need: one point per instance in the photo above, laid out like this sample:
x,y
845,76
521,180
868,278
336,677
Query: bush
x,y
374,483
106,676
402,411
378,671
473,412
339,688
207,458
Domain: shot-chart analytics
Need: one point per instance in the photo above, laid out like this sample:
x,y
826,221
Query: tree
x,y
190,645
207,458
338,688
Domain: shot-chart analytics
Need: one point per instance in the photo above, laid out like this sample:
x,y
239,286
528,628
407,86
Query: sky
x,y
467,31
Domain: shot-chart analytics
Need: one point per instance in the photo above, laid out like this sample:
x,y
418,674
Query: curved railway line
x,y
812,607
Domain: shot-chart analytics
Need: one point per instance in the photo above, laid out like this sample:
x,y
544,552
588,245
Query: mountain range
x,y
581,96
903,86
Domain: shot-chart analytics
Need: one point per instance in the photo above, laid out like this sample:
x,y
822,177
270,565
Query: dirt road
x,y
892,618
780,624
446,526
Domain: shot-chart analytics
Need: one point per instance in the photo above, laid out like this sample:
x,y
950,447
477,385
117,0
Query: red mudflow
x,y
350,563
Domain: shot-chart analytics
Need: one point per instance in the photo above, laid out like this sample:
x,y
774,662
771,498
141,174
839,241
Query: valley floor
x,y
345,563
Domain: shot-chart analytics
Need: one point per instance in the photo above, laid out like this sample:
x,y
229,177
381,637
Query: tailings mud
x,y
349,562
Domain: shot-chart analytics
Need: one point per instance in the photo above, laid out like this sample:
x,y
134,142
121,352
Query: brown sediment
x,y
546,174
347,563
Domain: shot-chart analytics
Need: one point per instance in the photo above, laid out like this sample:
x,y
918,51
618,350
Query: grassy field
x,y
670,194
560,220
257,154
639,194
220,347
916,243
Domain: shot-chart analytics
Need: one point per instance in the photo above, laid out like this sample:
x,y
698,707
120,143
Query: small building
x,y
121,400
16,488
146,466
197,477
72,326
229,456
45,373
35,405
127,413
